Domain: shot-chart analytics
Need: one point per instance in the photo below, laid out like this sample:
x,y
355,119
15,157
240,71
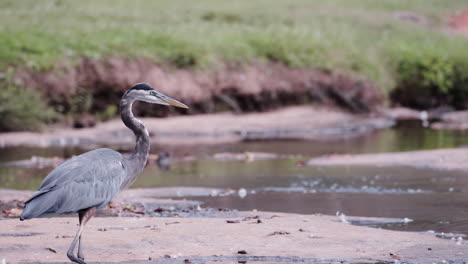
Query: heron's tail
x,y
37,205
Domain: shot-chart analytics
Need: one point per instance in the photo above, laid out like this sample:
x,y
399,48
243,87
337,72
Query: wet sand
x,y
441,159
298,122
216,236
121,239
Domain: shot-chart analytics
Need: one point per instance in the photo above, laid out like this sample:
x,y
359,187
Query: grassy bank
x,y
396,44
360,35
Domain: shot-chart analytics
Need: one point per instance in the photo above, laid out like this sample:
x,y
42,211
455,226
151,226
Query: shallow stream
x,y
435,200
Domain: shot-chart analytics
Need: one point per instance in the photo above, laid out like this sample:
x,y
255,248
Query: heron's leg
x,y
80,248
72,247
84,217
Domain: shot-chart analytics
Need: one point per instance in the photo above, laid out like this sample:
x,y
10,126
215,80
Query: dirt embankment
x,y
240,88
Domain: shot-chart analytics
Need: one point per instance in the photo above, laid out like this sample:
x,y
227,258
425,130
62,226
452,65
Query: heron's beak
x,y
173,102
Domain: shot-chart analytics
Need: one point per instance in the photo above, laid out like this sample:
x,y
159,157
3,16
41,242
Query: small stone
x,y
279,233
51,250
242,193
242,252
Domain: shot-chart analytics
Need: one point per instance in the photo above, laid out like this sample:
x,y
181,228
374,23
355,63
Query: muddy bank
x,y
300,122
240,88
441,159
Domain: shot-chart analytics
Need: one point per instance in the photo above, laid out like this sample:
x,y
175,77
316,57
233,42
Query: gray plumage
x,y
88,180
91,180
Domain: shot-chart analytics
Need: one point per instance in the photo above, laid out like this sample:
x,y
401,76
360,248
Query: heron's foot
x,y
73,258
80,253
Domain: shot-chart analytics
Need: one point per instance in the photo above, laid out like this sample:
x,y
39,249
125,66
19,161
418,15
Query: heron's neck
x,y
138,158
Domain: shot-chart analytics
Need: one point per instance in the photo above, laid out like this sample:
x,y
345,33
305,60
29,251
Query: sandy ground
x,y
300,122
272,237
443,159
134,239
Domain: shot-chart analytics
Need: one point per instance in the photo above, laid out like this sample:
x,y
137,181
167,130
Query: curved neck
x,y
138,158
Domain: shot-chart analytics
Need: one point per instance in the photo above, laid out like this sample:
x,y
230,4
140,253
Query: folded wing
x,y
88,180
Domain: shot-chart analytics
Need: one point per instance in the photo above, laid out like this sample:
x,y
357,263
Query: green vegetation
x,y
365,37
354,35
428,77
21,109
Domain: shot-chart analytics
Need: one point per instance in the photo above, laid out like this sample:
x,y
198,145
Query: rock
x,y
456,120
85,121
401,113
13,212
242,192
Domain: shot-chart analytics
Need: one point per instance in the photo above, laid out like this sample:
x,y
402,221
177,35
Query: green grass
x,y
361,36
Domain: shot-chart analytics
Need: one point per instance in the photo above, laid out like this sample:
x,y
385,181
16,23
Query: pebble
x,y
242,193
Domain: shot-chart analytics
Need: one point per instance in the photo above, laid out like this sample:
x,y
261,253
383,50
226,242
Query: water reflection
x,y
441,212
284,175
403,137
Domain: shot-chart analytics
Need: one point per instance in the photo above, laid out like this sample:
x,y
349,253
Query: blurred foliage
x,y
21,109
109,112
226,17
426,72
81,102
184,59
429,78
71,107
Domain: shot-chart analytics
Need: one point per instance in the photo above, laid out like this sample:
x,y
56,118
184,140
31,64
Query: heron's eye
x,y
153,93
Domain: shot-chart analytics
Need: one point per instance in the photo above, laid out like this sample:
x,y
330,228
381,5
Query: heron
x,y
89,181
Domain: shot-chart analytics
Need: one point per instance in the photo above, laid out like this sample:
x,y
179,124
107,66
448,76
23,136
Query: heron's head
x,y
146,93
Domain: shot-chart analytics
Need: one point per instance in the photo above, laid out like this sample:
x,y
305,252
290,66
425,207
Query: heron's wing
x,y
88,180
99,161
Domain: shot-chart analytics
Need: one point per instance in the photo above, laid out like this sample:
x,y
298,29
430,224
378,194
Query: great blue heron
x,y
89,181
